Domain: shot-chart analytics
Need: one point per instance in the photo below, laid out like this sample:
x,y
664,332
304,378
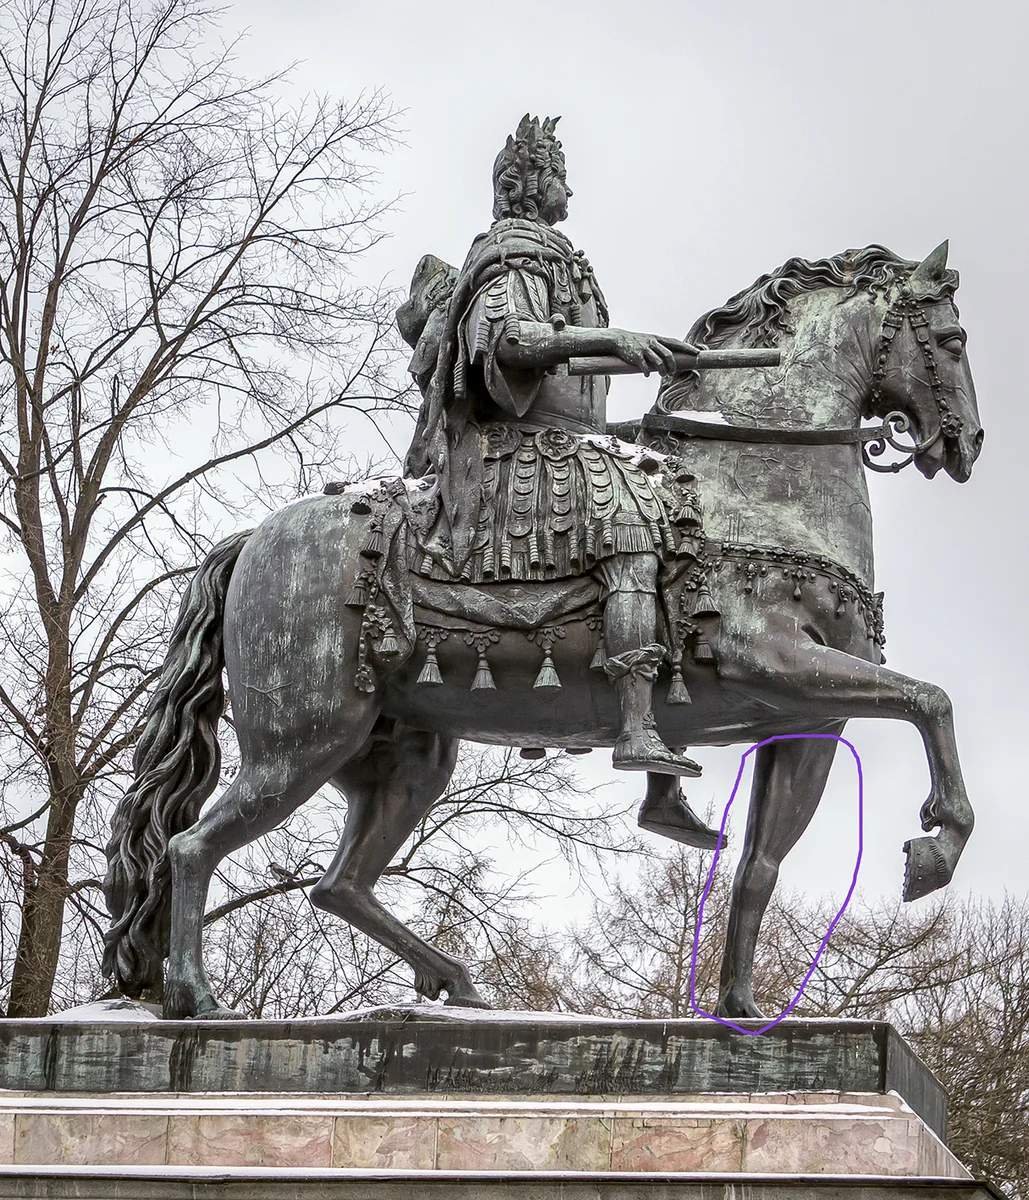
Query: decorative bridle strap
x,y
718,431
908,309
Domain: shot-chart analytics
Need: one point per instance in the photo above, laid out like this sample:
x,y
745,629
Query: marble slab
x,y
760,1135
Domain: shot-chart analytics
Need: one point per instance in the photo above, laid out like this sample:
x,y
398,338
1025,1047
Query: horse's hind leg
x,y
789,779
389,789
258,799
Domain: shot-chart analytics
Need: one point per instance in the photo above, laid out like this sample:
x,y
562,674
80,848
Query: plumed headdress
x,y
531,153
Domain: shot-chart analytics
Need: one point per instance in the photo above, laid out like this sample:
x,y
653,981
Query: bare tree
x,y
180,334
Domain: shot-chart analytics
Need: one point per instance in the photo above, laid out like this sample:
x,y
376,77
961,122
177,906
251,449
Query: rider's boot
x,y
665,811
639,748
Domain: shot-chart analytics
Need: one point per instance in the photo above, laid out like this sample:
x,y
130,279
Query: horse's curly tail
x,y
175,769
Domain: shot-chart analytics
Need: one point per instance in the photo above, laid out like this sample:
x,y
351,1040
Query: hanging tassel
x,y
677,692
483,680
704,606
599,660
430,673
358,597
388,644
702,651
373,546
548,676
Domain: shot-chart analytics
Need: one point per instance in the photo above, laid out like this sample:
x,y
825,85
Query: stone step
x,y
784,1133
126,1183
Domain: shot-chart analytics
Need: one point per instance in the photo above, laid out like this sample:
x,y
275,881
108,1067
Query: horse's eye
x,y
955,345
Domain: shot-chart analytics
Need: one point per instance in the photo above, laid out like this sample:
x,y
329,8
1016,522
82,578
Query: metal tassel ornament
x,y
548,676
388,644
483,680
677,691
373,545
430,672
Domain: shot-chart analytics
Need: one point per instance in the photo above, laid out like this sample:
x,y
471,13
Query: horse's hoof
x,y
739,1008
218,1014
926,868
466,1000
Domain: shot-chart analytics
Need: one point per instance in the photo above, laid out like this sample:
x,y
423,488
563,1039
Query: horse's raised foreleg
x,y
833,685
789,779
389,789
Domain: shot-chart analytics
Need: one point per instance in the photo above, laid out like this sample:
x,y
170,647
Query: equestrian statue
x,y
538,578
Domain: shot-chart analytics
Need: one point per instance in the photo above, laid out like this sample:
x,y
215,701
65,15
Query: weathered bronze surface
x,y
535,581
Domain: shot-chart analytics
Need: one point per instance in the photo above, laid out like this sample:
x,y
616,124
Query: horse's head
x,y
920,370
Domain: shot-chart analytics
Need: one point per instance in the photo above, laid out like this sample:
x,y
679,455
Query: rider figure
x,y
531,487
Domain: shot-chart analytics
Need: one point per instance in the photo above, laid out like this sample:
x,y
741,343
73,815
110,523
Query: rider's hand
x,y
647,352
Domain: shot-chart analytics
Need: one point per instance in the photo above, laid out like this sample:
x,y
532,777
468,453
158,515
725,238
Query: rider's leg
x,y
630,627
664,811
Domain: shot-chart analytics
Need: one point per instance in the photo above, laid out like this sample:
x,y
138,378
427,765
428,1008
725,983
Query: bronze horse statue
x,y
790,629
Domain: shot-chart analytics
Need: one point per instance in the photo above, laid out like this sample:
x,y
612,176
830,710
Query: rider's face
x,y
556,194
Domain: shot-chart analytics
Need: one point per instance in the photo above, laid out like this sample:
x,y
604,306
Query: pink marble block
x,y
385,1141
260,1140
523,1143
82,1138
676,1144
808,1144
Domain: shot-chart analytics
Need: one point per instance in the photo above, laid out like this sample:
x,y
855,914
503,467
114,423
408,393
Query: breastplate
x,y
577,403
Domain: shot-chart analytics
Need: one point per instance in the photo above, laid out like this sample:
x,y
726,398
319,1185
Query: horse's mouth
x,y
931,460
958,463
948,455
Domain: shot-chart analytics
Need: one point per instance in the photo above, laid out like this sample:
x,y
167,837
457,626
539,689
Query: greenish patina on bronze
x,y
535,581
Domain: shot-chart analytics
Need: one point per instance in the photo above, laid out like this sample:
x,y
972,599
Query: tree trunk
x,y
42,919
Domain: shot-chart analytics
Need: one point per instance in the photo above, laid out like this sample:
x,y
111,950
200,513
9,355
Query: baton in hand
x,y
705,360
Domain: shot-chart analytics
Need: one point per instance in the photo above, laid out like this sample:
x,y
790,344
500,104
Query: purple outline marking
x,y
779,737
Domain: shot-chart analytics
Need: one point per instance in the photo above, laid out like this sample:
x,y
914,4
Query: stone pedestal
x,y
498,1105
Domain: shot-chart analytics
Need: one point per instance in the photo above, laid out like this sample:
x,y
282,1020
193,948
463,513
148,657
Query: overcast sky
x,y
707,142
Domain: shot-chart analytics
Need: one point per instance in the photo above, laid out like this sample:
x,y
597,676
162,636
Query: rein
x,y
873,440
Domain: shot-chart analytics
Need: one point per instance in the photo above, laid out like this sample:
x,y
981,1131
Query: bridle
x,y
906,309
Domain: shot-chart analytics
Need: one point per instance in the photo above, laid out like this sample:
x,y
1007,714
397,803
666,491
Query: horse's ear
x,y
932,268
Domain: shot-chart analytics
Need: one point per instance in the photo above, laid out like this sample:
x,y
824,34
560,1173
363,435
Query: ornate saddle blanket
x,y
557,505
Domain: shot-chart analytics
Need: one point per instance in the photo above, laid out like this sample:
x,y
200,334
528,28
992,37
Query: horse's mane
x,y
759,311
757,316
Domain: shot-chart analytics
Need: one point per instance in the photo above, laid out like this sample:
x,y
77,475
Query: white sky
x,y
706,143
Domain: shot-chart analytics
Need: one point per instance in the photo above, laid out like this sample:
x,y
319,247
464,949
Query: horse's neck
x,y
812,498
824,375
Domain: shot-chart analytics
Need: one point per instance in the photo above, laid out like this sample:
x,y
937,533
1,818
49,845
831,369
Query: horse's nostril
x,y
978,440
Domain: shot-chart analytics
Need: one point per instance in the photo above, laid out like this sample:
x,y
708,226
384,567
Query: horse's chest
x,y
800,497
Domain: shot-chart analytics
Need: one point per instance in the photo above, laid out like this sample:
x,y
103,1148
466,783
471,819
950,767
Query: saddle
x,y
405,602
